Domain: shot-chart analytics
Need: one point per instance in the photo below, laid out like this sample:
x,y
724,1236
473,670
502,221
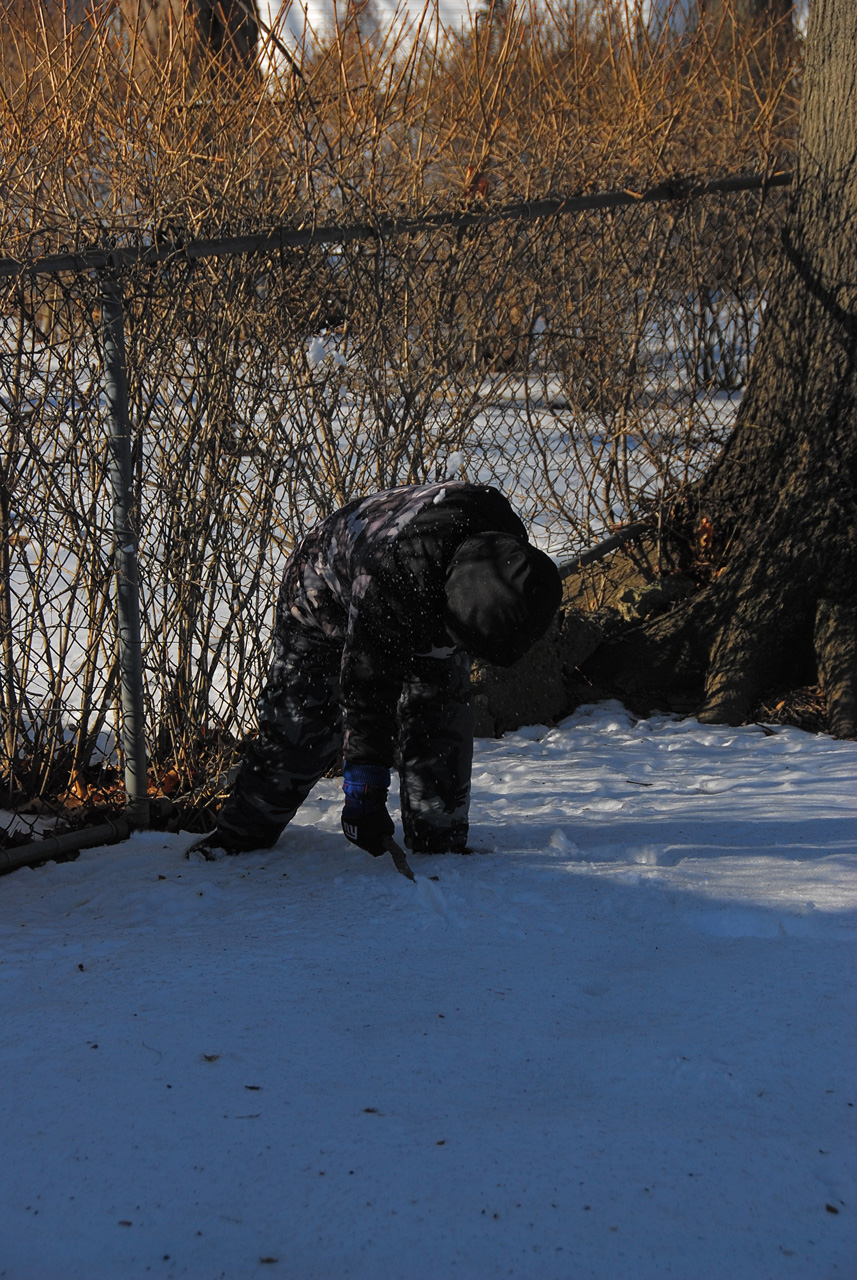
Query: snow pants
x,y
300,737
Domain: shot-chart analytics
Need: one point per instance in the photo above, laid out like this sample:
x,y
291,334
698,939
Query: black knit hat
x,y
501,594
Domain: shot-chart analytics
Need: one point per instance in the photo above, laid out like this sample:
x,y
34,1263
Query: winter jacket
x,y
371,579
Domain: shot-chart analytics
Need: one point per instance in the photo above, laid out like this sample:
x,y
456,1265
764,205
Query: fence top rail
x,y
116,257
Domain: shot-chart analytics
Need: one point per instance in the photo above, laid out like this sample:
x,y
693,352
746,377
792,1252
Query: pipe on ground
x,y
39,851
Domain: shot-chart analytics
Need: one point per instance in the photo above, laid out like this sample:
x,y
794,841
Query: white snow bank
x,y
618,1043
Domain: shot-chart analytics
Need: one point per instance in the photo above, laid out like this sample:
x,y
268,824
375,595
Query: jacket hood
x,y
501,594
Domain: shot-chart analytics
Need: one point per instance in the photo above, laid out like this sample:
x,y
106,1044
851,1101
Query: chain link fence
x,y
589,365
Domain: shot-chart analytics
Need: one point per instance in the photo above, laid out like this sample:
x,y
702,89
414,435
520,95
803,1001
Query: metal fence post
x,y
125,537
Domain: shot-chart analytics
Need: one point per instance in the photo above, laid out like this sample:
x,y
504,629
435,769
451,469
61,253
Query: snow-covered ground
x,y
617,1043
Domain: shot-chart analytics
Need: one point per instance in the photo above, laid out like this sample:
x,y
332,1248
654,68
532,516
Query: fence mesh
x,y
589,366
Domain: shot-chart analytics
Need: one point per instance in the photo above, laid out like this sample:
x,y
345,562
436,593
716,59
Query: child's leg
x,y
436,754
300,733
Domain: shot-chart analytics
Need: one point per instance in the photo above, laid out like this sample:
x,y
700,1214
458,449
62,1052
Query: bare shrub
x,y
589,365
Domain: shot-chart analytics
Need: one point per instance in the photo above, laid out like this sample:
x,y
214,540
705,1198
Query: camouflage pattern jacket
x,y
370,579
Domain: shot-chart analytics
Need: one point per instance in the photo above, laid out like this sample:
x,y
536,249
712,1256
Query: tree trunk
x,y
762,30
746,12
781,503
192,36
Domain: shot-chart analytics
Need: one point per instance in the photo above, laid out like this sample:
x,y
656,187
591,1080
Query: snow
x,y
618,1042
300,21
296,22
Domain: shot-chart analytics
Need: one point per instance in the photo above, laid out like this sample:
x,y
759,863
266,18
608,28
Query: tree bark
x,y
781,502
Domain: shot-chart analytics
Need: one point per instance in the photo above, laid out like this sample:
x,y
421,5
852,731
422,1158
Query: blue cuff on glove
x,y
365,786
365,820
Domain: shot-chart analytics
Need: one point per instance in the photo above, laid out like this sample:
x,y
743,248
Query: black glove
x,y
365,820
